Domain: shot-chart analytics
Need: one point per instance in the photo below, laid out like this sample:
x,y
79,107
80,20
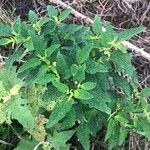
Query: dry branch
x,y
77,14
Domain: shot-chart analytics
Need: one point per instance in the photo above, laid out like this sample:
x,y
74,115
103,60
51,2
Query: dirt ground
x,y
122,14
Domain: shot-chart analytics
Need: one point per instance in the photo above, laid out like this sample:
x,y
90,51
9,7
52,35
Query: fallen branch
x,y
137,50
77,14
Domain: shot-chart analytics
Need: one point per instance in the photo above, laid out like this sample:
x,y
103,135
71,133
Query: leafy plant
x,y
75,81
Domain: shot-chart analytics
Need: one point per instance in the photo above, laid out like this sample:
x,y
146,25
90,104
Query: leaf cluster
x,y
75,81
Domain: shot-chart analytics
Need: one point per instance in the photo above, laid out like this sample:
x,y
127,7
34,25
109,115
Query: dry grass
x,y
5,14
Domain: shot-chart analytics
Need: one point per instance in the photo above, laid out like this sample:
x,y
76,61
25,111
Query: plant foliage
x,y
74,82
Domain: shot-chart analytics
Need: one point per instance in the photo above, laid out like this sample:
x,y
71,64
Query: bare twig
x,y
41,143
77,14
5,143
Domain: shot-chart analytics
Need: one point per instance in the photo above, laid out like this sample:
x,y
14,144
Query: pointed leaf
x,y
26,145
52,11
97,25
83,134
4,30
16,26
74,69
122,83
64,14
32,16
42,22
38,43
88,86
82,94
59,111
98,104
33,62
61,63
80,75
5,41
21,112
50,50
59,139
129,33
145,92
15,56
110,129
60,86
123,61
83,54
69,121
94,67
123,135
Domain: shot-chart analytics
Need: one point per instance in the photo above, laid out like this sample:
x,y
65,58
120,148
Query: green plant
x,y
75,81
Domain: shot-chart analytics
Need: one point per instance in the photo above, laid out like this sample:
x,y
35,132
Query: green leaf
x,y
26,145
43,70
83,54
74,69
122,83
51,94
59,111
102,92
114,140
32,16
48,28
61,63
26,119
42,76
64,14
123,61
97,25
108,36
42,22
69,120
61,87
3,114
38,43
98,104
146,127
82,94
21,112
5,41
5,30
52,12
80,75
123,135
145,92
95,67
88,86
15,56
16,26
129,33
50,50
59,139
71,28
83,134
95,121
29,45
31,63
122,119
110,129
